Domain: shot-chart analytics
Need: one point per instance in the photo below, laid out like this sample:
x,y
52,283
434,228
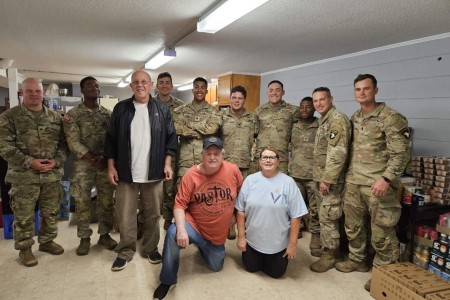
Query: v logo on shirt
x,y
275,199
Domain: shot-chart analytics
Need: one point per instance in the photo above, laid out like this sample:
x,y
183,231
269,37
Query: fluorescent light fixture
x,y
225,13
128,79
164,56
122,84
185,87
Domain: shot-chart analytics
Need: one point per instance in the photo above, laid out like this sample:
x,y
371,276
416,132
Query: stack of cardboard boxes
x,y
433,175
407,281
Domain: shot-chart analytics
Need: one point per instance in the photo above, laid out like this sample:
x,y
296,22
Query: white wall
x,y
411,79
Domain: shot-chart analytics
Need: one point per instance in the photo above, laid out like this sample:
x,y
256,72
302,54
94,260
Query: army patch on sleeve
x,y
333,134
405,132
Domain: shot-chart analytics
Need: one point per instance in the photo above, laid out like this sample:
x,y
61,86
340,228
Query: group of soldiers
x,y
342,167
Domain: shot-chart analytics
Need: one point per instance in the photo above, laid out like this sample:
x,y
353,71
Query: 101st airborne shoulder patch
x,y
333,134
406,133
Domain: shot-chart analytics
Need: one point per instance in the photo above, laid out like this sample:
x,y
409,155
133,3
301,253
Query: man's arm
x,y
180,218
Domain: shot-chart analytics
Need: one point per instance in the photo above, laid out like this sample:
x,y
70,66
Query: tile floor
x,y
69,276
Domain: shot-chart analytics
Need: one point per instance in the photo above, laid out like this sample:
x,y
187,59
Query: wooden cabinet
x,y
211,97
251,84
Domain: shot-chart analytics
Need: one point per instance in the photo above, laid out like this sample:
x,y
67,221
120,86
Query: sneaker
x,y
107,241
167,224
119,264
27,258
51,247
154,257
161,291
83,248
349,265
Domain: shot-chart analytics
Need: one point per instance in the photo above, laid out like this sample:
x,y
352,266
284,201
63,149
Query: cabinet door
x,y
223,90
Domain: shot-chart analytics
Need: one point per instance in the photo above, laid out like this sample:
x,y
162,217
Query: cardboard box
x,y
444,295
423,241
443,229
404,281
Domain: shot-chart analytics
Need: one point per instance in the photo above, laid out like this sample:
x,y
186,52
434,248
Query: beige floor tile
x,y
68,276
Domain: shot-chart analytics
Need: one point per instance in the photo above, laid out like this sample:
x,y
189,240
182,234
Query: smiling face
x,y
275,92
141,84
306,110
237,101
212,158
90,89
164,86
322,102
199,90
269,162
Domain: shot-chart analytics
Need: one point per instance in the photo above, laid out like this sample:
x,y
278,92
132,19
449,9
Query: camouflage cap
x,y
212,141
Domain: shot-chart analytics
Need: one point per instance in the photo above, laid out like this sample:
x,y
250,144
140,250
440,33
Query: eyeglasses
x,y
143,82
268,158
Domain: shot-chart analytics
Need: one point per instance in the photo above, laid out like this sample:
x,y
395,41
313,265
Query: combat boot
x,y
326,261
27,257
83,248
51,247
367,285
107,241
351,266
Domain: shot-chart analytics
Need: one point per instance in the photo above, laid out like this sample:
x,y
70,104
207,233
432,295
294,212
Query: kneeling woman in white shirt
x,y
269,210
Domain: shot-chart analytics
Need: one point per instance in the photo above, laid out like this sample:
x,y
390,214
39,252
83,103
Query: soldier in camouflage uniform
x,y
32,142
330,162
194,122
378,158
85,127
237,133
301,165
165,86
273,125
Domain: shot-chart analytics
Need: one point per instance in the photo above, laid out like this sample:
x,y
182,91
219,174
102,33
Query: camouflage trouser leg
x,y
283,167
384,213
308,190
169,199
23,202
80,189
105,202
330,210
244,172
254,166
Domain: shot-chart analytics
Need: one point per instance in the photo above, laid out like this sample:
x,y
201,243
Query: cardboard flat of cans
x,y
405,281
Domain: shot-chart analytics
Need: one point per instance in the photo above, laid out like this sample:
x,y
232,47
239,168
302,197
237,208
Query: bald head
x,y
33,94
141,84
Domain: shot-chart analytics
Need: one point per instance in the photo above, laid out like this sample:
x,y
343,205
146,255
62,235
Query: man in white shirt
x,y
140,144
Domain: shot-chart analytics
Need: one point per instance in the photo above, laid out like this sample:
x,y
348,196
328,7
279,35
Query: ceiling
x,y
63,41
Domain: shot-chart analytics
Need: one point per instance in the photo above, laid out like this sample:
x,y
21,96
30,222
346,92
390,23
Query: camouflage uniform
x,y
330,162
301,167
237,133
169,187
193,124
85,130
25,136
380,148
273,126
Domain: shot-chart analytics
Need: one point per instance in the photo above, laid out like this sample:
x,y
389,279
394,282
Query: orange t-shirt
x,y
209,200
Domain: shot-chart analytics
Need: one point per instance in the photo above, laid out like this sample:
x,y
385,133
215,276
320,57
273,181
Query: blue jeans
x,y
214,255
